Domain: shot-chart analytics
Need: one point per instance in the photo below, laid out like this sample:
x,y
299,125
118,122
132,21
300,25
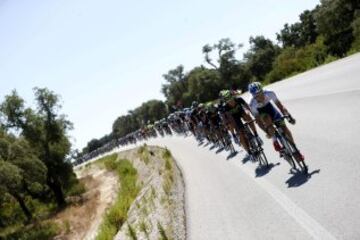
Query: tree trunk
x,y
23,206
55,186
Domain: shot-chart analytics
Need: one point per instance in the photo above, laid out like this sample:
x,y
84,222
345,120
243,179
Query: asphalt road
x,y
230,199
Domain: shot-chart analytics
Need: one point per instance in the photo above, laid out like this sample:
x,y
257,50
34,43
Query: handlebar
x,y
288,117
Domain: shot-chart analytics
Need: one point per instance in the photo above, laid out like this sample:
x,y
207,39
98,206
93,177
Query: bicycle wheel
x,y
263,159
290,160
300,164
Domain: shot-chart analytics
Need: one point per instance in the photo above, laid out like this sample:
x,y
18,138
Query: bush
x,y
292,60
109,161
41,231
166,154
77,189
355,47
330,58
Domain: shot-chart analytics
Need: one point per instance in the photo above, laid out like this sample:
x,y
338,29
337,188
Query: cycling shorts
x,y
270,110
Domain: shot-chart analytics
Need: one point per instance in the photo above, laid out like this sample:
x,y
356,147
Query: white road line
x,y
305,220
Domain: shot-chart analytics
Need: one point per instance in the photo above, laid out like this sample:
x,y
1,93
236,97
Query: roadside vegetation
x,y
326,33
36,177
116,215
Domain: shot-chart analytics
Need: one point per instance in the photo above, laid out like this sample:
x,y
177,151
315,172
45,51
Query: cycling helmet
x,y
194,104
201,105
210,107
255,88
225,94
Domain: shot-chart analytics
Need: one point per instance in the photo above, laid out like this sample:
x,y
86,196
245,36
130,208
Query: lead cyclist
x,y
265,113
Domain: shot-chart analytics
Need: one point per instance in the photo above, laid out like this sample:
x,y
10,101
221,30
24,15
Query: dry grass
x,y
79,219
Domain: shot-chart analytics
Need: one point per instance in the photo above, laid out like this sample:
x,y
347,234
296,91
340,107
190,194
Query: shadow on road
x,y
246,159
298,178
219,150
231,155
206,144
263,170
212,147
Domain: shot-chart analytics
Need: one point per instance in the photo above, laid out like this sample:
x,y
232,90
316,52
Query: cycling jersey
x,y
265,107
236,111
194,116
214,119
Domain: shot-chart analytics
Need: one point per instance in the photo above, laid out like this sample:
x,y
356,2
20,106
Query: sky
x,y
107,57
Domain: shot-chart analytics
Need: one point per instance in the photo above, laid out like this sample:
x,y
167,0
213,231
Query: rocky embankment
x,y
158,211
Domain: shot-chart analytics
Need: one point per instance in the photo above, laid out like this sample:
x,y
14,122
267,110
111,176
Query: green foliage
x,y
166,154
144,153
176,85
117,214
330,59
300,33
41,231
77,189
151,110
203,84
109,161
292,60
45,131
355,47
333,20
10,212
260,57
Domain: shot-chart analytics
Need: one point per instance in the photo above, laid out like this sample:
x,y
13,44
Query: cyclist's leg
x,y
242,135
287,132
248,118
268,124
244,141
298,155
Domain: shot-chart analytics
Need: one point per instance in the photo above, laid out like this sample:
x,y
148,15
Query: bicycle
x,y
288,149
255,145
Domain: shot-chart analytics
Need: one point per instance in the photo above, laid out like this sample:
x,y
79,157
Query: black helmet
x,y
194,104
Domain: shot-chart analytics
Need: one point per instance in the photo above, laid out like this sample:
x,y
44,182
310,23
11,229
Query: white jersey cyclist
x,y
263,108
258,108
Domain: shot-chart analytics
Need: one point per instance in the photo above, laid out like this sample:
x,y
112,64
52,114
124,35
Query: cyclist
x,y
194,118
265,113
235,109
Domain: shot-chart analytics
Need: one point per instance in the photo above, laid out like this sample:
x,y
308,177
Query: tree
x,y
260,57
46,132
176,85
226,63
333,20
151,110
10,182
21,172
295,60
300,33
204,84
356,32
